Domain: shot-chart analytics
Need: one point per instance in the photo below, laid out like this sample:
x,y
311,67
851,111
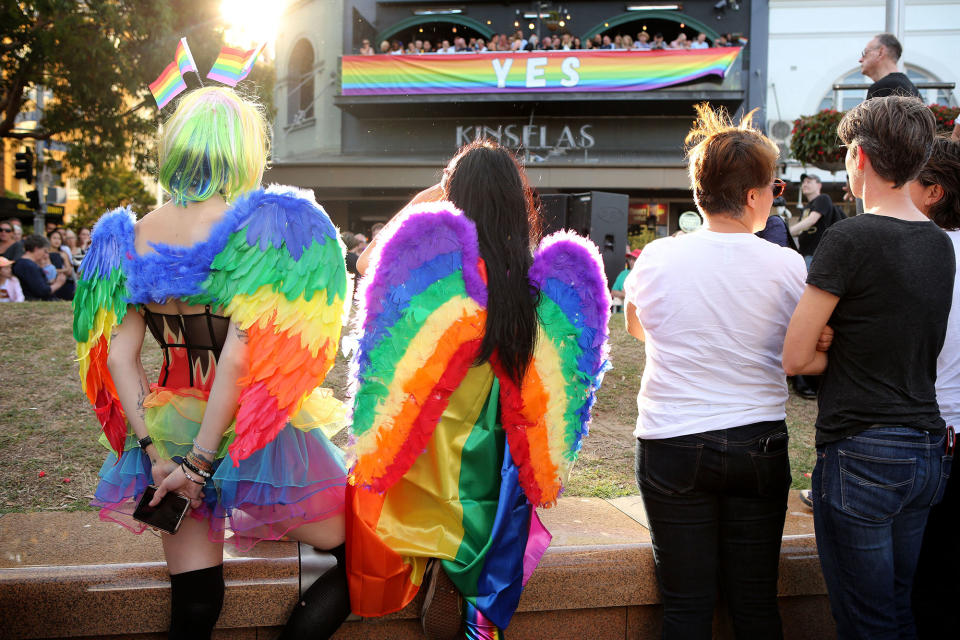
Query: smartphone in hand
x,y
167,515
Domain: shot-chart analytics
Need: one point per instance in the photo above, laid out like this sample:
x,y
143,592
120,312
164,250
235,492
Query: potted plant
x,y
814,140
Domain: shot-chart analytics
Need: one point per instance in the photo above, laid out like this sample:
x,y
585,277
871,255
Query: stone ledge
x,y
70,575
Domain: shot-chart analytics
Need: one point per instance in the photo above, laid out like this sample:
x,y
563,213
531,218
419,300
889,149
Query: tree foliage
x,y
103,190
97,57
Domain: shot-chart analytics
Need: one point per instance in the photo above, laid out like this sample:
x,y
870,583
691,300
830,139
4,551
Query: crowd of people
x,y
38,267
518,41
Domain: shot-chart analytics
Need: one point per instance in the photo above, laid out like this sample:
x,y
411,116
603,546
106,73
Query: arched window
x,y
300,83
850,98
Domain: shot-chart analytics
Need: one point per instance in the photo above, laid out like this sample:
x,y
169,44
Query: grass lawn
x,y
46,425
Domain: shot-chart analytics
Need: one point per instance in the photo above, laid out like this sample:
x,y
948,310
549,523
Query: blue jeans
x,y
872,493
716,503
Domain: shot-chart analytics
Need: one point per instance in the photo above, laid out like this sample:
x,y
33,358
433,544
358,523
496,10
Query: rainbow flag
x,y
536,72
185,59
168,85
233,65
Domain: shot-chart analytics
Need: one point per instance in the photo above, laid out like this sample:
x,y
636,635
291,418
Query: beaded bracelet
x,y
190,477
199,461
196,445
196,470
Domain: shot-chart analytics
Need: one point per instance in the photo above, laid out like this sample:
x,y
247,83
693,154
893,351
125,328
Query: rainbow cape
x,y
168,85
274,264
426,426
233,65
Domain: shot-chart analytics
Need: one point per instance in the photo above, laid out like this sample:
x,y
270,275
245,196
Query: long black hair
x,y
487,183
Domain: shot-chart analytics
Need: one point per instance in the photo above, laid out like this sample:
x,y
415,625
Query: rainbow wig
x,y
215,142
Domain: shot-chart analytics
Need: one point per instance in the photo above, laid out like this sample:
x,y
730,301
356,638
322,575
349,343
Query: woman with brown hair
x,y
712,466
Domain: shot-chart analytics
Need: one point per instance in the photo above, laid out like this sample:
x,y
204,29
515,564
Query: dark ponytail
x,y
486,182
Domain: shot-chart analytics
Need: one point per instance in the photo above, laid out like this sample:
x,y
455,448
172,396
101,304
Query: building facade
x,y
365,146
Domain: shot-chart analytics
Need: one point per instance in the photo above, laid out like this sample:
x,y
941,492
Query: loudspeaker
x,y
553,208
602,217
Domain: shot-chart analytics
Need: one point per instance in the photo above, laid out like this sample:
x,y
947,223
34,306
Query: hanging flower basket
x,y
946,116
814,140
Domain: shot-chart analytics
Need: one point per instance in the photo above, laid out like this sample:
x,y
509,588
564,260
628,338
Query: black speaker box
x,y
602,217
553,208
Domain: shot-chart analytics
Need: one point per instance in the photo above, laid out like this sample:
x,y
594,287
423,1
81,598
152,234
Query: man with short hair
x,y
31,276
878,61
815,219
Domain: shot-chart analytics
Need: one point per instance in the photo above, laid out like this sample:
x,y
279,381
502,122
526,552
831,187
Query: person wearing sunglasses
x,y
878,61
10,247
712,465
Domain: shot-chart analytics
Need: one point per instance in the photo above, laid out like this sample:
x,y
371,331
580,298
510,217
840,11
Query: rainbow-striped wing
x,y
424,312
282,278
99,305
547,418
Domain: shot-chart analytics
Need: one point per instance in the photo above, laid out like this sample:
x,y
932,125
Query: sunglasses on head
x,y
778,186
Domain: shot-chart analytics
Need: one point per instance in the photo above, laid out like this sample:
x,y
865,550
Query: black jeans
x,y
716,502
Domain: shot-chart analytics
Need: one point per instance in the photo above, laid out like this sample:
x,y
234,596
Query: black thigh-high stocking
x,y
324,606
196,598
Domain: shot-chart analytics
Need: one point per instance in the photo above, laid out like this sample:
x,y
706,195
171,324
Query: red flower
x,y
41,474
66,480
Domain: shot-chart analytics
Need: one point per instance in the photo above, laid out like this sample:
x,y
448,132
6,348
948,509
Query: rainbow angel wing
x,y
282,278
99,305
423,317
546,419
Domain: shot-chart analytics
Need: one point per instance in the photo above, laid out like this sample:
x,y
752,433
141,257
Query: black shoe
x,y
802,389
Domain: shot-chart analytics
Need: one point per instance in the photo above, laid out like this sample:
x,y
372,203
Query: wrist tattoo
x,y
241,335
141,396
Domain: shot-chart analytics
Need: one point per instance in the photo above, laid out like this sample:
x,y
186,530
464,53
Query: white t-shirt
x,y
715,309
948,364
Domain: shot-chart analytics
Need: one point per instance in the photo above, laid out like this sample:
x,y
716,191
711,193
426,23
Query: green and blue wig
x,y
216,142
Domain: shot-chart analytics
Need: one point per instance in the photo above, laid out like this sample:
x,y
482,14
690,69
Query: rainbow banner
x,y
531,72
233,65
184,58
168,86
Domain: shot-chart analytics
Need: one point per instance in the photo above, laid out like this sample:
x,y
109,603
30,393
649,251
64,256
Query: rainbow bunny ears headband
x,y
232,66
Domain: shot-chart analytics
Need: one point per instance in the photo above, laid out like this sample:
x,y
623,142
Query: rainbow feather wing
x,y
281,277
546,419
99,305
423,317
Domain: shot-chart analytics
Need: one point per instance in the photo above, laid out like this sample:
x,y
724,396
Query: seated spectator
x,y
576,43
533,43
412,49
10,290
396,48
446,47
427,47
57,245
566,42
60,262
700,42
30,272
680,42
83,245
618,42
385,46
607,43
597,41
517,45
547,43
10,248
480,46
626,43
460,46
643,41
365,48
418,45
658,42
721,41
589,45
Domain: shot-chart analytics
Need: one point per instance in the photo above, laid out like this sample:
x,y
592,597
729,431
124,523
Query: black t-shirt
x,y
892,84
810,238
351,259
32,280
895,283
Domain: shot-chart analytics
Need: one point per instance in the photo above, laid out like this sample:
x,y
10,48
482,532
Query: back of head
x,y
486,182
893,47
943,168
215,142
727,161
895,132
